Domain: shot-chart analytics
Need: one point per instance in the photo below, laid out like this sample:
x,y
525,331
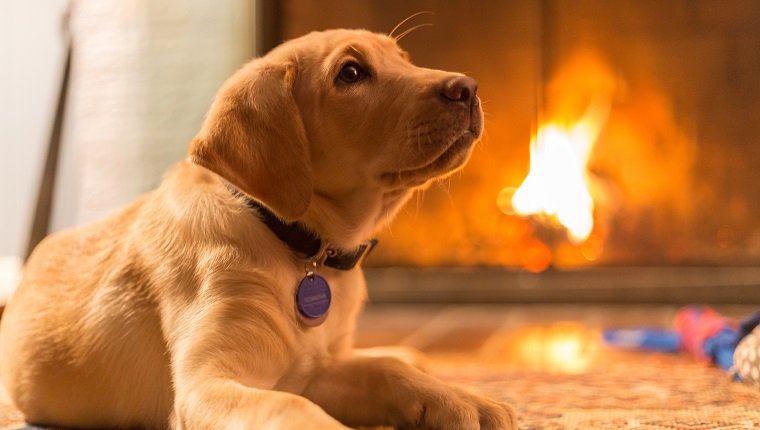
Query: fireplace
x,y
619,157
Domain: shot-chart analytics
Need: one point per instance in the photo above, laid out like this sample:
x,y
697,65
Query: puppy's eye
x,y
351,73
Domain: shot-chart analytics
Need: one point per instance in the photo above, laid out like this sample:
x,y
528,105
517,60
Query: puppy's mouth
x,y
454,155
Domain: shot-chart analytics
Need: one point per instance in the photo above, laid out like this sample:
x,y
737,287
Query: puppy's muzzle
x,y
444,143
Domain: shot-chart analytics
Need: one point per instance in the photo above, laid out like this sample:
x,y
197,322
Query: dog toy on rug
x,y
704,334
707,335
747,354
729,345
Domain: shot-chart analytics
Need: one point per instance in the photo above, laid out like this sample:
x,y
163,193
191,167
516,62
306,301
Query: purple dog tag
x,y
313,300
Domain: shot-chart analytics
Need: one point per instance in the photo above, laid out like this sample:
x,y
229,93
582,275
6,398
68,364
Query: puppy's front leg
x,y
365,391
228,353
223,403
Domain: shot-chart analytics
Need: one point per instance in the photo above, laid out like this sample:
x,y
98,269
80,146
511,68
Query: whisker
x,y
420,201
448,188
388,220
401,36
484,141
407,19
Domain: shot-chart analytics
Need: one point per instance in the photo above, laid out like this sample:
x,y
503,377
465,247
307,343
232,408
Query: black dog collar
x,y
305,243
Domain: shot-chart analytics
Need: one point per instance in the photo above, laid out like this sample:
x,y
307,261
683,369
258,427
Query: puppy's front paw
x,y
496,415
455,409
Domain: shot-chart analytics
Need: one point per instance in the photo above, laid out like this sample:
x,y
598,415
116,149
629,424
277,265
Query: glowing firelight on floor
x,y
562,347
557,183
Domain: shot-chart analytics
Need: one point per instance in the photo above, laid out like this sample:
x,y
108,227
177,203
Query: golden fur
x,y
178,311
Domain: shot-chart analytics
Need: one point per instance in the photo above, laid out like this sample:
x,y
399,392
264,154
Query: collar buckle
x,y
348,261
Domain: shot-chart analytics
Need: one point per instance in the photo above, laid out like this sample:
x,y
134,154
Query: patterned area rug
x,y
652,392
648,392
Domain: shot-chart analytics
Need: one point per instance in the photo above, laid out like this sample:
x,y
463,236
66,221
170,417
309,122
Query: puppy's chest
x,y
346,292
333,336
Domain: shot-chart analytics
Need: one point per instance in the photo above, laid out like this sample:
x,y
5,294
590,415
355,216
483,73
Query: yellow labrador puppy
x,y
227,298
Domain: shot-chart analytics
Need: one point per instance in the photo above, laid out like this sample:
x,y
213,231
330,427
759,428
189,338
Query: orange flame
x,y
557,187
557,183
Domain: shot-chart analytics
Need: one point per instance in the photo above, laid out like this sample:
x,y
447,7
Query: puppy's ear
x,y
254,138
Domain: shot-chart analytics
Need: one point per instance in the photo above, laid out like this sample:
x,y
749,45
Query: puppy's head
x,y
336,113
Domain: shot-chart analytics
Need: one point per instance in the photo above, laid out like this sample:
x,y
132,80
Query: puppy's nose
x,y
459,89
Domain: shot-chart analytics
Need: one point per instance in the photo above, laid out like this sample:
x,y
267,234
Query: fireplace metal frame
x,y
622,285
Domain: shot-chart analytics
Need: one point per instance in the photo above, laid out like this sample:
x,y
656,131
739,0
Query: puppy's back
x,y
59,320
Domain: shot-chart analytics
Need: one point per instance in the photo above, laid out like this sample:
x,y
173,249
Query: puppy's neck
x,y
353,218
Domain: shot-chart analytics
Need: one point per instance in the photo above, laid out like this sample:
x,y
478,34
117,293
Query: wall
x,y
143,75
31,61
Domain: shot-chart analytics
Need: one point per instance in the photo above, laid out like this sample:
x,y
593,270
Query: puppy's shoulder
x,y
193,198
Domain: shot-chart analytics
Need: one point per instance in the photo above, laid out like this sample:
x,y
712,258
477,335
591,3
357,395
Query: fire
x,y
557,185
557,190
